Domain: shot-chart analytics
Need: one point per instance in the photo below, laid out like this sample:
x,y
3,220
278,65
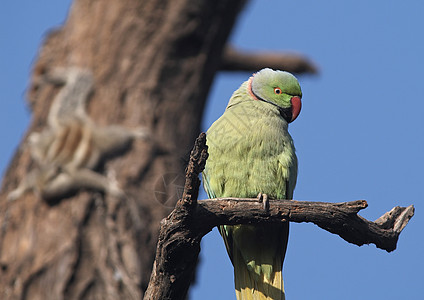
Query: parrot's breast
x,y
250,151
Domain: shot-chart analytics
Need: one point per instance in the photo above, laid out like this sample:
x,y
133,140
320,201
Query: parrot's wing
x,y
206,185
222,229
228,240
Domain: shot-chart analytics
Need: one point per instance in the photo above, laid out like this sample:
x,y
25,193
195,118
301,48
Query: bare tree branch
x,y
181,232
236,60
178,245
337,218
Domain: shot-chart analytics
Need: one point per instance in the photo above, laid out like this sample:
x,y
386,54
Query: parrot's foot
x,y
263,198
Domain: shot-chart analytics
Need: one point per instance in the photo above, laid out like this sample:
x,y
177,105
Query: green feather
x,y
251,152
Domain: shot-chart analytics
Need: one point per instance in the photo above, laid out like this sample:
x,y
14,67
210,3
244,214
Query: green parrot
x,y
251,152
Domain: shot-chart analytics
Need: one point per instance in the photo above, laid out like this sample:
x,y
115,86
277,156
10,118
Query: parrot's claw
x,y
263,198
260,197
266,202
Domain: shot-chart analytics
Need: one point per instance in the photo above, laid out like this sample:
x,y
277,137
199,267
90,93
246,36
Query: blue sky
x,y
359,135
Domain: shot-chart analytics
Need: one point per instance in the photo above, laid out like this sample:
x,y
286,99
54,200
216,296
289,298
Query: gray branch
x,y
337,218
181,232
237,60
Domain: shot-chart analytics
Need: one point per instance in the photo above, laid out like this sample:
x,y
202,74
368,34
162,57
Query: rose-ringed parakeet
x,y
251,152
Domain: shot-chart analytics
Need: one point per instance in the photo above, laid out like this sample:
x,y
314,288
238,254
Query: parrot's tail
x,y
250,288
257,253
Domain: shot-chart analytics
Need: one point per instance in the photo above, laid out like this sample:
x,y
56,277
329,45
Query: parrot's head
x,y
278,88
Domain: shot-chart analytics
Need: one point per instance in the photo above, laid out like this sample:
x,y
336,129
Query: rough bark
x,y
153,62
181,232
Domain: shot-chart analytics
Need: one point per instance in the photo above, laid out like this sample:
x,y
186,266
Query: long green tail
x,y
257,253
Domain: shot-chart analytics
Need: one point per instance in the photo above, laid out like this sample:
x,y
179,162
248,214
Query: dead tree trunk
x,y
153,63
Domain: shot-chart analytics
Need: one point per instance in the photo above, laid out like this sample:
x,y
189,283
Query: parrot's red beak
x,y
296,105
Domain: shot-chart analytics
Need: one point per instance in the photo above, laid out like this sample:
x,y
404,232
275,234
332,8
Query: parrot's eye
x,y
277,91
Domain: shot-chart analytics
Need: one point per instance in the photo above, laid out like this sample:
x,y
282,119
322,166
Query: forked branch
x,y
337,218
181,232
